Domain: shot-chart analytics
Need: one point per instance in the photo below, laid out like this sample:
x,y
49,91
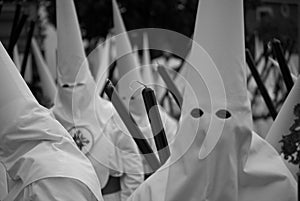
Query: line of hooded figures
x,y
126,146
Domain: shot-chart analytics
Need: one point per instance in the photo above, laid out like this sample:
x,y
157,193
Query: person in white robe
x,y
90,119
41,159
216,156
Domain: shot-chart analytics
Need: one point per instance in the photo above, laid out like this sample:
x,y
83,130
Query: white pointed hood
x,y
215,155
16,57
77,106
95,58
33,145
135,52
127,66
104,64
18,63
47,82
50,43
147,70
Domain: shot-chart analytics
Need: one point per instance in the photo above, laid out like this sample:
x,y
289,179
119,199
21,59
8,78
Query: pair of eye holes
x,y
223,114
72,86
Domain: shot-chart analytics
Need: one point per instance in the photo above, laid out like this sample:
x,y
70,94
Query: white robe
x,y
3,182
34,147
50,189
242,167
125,161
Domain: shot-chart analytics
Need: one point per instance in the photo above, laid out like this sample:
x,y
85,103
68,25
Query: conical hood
x,y
46,79
94,59
146,53
50,44
77,107
136,56
17,61
71,55
103,71
215,156
28,71
179,79
16,57
223,69
127,65
147,70
33,145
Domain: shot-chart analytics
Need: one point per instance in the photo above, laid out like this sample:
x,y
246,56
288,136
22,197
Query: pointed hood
x,y
17,61
215,156
77,106
16,57
222,68
135,53
28,71
30,137
94,59
50,44
179,79
147,70
146,53
103,71
72,64
46,79
127,65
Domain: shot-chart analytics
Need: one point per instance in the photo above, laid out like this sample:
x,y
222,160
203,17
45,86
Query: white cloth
x,y
76,106
215,155
3,182
242,167
126,161
56,189
112,197
33,145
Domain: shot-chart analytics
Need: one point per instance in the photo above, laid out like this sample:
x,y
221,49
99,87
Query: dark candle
x,y
132,127
170,84
27,48
158,131
260,85
278,53
17,33
13,29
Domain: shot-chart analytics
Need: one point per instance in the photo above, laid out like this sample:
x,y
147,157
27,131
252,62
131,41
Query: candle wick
x,y
139,82
156,66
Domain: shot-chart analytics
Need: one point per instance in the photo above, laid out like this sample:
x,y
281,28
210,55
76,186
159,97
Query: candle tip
x,y
139,82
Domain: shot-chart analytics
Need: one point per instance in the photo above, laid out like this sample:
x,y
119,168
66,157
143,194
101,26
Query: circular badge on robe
x,y
83,138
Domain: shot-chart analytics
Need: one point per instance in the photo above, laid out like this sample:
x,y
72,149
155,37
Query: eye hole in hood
x,y
197,113
72,85
223,114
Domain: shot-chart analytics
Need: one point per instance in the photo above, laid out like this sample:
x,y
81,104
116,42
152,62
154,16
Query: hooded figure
x,y
40,157
103,63
130,92
215,154
87,117
46,80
